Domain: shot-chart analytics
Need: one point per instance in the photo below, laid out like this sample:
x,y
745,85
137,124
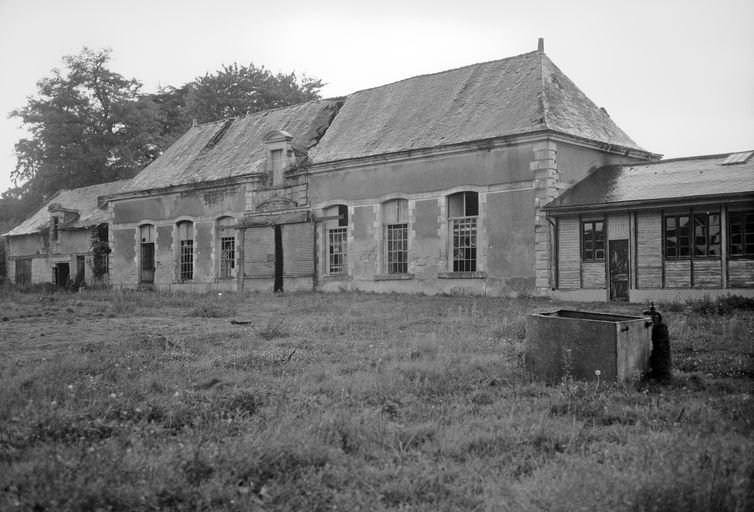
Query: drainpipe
x,y
553,252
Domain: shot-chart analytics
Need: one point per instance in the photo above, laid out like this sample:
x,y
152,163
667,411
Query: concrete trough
x,y
580,343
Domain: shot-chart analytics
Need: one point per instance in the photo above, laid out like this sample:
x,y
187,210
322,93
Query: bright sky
x,y
676,75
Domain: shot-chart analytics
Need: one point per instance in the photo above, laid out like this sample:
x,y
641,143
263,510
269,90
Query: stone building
x,y
466,181
434,184
63,242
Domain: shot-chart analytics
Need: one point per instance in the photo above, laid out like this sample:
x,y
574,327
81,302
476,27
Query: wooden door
x,y
278,286
619,269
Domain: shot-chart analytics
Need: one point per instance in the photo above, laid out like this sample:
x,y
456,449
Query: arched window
x,y
463,213
226,244
337,239
395,235
146,253
186,250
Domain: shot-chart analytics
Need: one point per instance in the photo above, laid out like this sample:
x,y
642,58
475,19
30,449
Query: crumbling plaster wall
x,y
203,207
45,254
502,178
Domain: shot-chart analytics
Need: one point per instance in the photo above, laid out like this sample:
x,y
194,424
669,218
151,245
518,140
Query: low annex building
x,y
65,241
657,230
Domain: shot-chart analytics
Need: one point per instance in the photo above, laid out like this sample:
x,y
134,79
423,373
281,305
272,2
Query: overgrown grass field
x,y
146,401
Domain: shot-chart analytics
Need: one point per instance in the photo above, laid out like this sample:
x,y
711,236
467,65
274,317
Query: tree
x,y
88,125
239,90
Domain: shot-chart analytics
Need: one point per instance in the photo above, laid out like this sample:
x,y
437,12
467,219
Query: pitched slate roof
x,y
83,200
660,181
233,147
517,95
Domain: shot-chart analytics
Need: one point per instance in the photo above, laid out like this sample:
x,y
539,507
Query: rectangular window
x,y
276,161
396,237
187,260
464,244
677,237
336,242
227,256
186,256
23,272
463,211
741,234
707,235
593,241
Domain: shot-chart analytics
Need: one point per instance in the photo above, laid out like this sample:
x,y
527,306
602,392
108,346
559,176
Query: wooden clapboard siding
x,y
569,254
649,250
678,274
617,227
594,274
707,274
740,273
298,250
259,252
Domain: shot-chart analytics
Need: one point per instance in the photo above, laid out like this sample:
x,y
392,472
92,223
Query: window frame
x,y
464,257
149,230
185,251
746,229
679,246
395,236
707,235
226,256
336,260
594,241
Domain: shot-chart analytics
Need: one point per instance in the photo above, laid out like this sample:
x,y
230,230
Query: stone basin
x,y
579,344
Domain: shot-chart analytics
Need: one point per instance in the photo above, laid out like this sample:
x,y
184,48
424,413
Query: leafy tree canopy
x,y
88,125
230,92
238,90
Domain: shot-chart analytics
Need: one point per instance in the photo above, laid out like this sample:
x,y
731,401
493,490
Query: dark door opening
x,y
61,273
147,263
80,266
619,270
278,258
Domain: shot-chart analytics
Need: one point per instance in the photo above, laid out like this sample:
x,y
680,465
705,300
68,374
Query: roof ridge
x,y
676,159
275,109
543,104
444,71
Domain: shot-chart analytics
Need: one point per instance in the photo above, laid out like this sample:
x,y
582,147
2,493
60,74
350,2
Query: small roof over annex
x,y
727,176
80,204
517,95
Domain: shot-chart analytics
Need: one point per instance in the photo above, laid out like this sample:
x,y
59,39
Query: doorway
x,y
618,270
61,274
80,268
278,287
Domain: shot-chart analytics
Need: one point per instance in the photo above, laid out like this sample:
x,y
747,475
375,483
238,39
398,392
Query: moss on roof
x,y
83,200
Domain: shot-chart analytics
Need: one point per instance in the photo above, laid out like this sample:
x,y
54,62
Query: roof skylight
x,y
737,158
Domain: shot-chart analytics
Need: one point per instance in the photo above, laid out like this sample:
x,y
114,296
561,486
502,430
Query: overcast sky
x,y
676,75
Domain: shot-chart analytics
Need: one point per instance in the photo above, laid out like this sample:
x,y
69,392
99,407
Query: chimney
x,y
541,45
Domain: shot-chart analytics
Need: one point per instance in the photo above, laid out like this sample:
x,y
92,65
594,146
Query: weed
x,y
356,402
273,329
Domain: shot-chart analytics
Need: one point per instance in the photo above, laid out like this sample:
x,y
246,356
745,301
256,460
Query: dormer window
x,y
54,229
279,155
